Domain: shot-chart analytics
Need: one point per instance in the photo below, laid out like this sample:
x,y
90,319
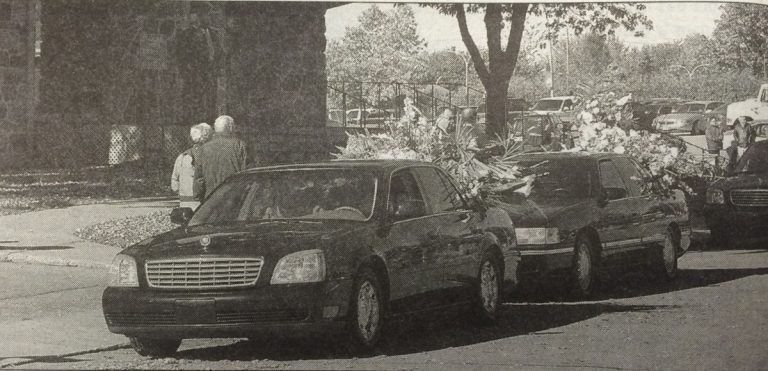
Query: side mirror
x,y
181,215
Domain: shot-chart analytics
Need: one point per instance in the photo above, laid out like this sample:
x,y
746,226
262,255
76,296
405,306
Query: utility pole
x,y
466,73
567,60
551,70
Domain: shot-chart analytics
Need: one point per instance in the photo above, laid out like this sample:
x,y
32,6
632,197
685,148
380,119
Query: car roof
x,y
377,165
703,102
584,156
559,98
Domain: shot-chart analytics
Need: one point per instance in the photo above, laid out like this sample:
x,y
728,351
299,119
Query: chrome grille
x,y
140,318
203,273
749,197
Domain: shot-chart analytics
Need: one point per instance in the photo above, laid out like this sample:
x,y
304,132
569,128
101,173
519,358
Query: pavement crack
x,y
49,292
35,359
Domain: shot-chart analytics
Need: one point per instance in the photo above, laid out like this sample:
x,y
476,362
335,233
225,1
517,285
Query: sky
x,y
671,21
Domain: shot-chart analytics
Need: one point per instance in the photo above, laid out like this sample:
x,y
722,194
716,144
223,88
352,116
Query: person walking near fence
x,y
714,136
183,177
221,157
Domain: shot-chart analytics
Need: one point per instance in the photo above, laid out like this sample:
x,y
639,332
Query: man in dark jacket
x,y
714,136
221,157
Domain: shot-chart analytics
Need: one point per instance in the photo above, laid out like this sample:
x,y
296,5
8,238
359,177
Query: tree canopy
x,y
741,37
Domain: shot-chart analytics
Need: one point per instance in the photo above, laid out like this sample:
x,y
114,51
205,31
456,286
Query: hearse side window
x,y
610,179
439,193
631,175
405,200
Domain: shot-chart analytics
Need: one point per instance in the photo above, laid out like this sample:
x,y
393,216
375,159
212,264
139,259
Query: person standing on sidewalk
x,y
222,156
183,176
714,136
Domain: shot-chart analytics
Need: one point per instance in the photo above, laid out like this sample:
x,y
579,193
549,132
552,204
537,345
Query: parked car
x,y
335,118
689,118
737,206
563,107
369,117
647,111
533,129
515,106
755,108
329,247
588,212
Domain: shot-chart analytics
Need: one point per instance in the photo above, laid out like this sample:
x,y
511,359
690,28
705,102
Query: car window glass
x,y
440,194
664,110
610,178
631,175
404,196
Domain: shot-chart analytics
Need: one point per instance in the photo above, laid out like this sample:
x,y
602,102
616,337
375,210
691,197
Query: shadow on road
x,y
420,334
639,283
535,314
33,248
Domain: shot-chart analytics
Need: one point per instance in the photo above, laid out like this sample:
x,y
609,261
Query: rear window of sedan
x,y
562,178
303,194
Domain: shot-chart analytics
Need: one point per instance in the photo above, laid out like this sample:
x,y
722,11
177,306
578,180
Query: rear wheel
x,y
367,309
584,271
149,347
487,289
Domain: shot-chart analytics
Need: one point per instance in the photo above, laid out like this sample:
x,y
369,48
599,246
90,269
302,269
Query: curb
x,y
25,258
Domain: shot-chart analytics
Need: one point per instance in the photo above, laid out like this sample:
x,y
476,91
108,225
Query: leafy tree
x,y
382,47
496,72
741,37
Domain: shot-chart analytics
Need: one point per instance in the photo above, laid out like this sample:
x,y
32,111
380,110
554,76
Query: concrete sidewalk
x,y
47,237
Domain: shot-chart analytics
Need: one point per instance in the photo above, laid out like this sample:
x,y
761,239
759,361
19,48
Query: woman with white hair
x,y
183,177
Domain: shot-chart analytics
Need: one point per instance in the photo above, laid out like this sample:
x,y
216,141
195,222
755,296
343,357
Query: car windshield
x,y
548,105
692,107
558,179
754,160
296,194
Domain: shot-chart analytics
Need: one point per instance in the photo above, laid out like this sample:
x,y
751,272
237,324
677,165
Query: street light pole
x,y
466,73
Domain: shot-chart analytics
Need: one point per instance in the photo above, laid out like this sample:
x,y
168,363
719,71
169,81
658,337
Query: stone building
x,y
18,81
120,69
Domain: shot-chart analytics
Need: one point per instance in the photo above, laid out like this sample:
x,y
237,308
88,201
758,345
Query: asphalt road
x,y
713,317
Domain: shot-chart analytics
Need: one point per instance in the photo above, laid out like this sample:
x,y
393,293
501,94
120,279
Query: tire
x,y
366,311
155,347
487,291
584,269
666,258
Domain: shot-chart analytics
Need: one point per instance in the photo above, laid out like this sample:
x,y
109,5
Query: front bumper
x,y
279,309
748,221
542,259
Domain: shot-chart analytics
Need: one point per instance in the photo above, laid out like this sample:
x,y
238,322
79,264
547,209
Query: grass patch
x,y
44,189
127,231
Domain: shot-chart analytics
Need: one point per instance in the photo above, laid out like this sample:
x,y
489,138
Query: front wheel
x,y
584,272
367,309
154,347
487,288
666,261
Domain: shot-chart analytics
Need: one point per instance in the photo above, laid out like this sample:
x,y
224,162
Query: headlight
x,y
123,272
300,267
537,236
715,196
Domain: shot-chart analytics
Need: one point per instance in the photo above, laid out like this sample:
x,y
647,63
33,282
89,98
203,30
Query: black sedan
x,y
327,248
587,212
737,207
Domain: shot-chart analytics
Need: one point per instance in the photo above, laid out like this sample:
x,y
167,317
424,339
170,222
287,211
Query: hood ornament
x,y
205,241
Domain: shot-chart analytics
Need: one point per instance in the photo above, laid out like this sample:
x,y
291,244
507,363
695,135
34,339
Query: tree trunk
x,y
496,111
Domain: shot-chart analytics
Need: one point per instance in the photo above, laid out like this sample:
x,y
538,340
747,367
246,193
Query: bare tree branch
x,y
474,52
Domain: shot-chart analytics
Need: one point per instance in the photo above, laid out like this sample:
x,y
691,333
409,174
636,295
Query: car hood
x,y
263,239
757,180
